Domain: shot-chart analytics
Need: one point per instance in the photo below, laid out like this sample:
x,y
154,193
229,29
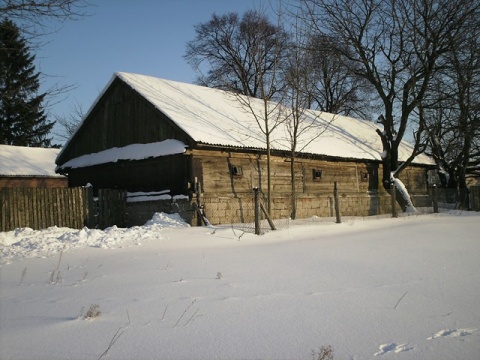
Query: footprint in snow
x,y
452,333
396,348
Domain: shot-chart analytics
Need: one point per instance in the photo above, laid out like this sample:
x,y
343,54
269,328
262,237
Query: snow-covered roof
x,y
27,161
215,117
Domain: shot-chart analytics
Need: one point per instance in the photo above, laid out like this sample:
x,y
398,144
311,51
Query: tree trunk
x,y
403,197
269,180
391,172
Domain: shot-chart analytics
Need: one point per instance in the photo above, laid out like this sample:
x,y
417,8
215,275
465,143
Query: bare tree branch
x,y
398,46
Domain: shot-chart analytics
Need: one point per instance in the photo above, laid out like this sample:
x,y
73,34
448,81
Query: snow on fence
x,y
40,208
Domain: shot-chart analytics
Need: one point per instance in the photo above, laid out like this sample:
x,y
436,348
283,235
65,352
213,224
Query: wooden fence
x,y
39,208
111,208
475,198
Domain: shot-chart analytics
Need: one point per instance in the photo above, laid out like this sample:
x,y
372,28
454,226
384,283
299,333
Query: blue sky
x,y
139,36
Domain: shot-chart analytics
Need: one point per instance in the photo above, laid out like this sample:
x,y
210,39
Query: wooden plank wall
x,y
167,172
120,118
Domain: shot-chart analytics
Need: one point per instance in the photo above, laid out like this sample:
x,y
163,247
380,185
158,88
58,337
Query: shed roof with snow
x,y
28,161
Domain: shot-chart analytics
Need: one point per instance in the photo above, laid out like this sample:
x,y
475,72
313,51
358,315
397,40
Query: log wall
x,y
229,177
224,173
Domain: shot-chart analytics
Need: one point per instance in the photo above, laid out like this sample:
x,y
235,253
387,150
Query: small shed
x,y
146,134
22,166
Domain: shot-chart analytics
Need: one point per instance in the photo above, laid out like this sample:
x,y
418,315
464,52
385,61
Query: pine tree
x,y
23,121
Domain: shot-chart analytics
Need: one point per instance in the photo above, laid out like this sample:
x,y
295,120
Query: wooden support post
x,y
394,199
256,210
337,203
269,219
200,218
435,199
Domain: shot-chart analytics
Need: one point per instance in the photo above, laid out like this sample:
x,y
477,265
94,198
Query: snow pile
x,y
26,242
166,220
371,288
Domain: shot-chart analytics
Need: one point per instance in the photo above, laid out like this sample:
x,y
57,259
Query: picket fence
x,y
39,208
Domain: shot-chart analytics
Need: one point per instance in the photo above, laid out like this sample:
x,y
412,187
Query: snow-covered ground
x,y
405,288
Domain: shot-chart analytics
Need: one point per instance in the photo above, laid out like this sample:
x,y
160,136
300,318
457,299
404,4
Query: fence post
x,y
475,198
89,221
435,199
3,208
337,203
198,195
256,211
393,189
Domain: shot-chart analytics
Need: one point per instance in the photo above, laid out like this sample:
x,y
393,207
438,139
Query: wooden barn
x,y
145,134
29,167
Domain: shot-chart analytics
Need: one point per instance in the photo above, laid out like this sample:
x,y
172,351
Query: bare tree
x,y
453,112
333,86
299,90
70,122
244,56
239,54
302,127
268,116
396,46
31,15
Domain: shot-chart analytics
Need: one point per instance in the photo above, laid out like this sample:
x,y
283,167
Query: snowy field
x,y
376,288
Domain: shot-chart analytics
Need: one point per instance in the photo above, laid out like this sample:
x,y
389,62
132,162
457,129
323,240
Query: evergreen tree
x,y
23,121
